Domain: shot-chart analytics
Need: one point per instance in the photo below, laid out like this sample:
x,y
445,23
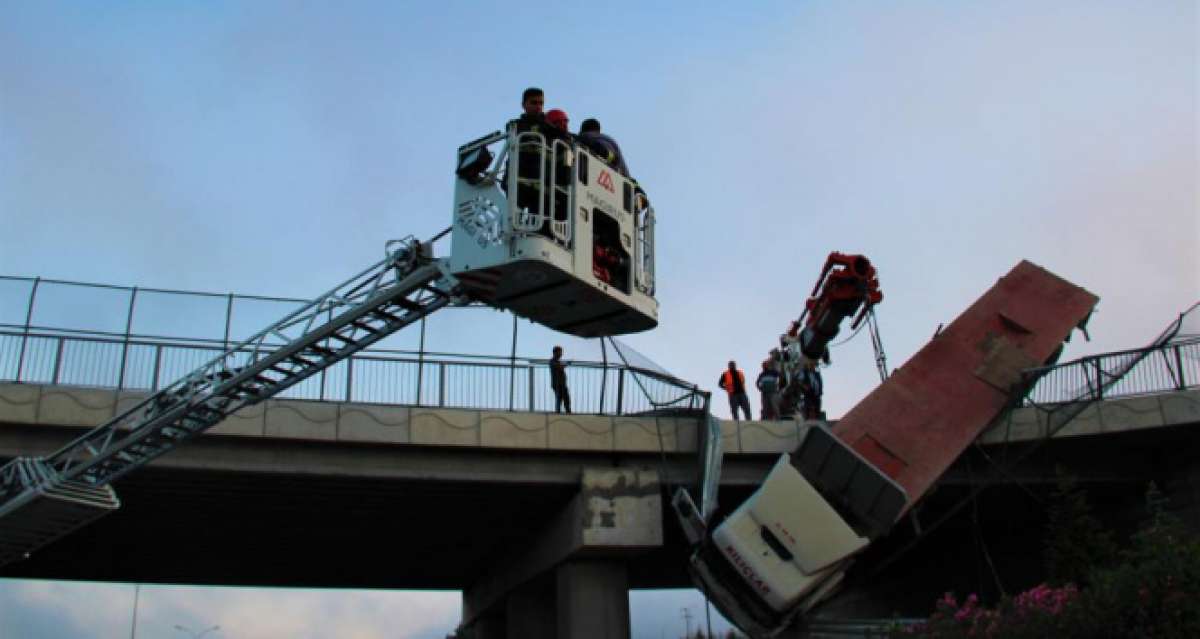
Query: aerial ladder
x,y
577,256
787,547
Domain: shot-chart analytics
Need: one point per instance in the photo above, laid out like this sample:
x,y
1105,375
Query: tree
x,y
1076,542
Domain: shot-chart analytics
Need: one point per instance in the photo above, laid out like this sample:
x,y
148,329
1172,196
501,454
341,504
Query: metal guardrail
x,y
379,376
1169,367
125,357
500,383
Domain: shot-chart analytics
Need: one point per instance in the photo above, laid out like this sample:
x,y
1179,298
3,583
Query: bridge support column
x,y
489,626
532,611
571,579
593,599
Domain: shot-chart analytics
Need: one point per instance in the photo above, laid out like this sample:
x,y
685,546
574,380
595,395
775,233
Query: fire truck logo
x,y
605,180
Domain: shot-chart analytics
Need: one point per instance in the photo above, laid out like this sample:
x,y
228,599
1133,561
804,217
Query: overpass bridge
x,y
513,508
341,485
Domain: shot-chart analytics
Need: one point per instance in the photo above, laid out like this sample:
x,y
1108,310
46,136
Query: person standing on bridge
x,y
768,386
558,382
733,381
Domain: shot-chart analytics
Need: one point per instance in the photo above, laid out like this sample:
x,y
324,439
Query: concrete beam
x,y
382,461
302,420
319,421
617,514
1109,416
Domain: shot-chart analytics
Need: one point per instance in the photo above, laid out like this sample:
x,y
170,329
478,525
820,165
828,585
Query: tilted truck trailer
x,y
788,546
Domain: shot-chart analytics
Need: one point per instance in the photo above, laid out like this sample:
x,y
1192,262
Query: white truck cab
x,y
549,231
787,547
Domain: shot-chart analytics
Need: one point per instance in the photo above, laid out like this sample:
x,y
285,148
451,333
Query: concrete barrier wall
x,y
54,405
1110,416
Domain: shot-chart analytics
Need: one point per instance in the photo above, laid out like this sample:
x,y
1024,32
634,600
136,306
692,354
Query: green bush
x,y
1076,541
1154,591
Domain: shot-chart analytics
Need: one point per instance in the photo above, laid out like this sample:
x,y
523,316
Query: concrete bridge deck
x,y
358,482
306,493
382,424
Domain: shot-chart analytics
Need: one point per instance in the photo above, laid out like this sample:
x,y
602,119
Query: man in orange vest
x,y
733,381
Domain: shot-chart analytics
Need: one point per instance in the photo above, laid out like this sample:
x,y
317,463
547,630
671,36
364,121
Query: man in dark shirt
x,y
768,387
533,100
558,382
529,154
532,120
602,145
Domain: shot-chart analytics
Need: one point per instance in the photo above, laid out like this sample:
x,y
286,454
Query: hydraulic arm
x,y
847,287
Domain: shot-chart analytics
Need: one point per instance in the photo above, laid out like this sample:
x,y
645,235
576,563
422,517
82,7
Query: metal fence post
x,y
28,319
320,395
531,403
58,361
603,375
228,318
1099,379
421,360
157,367
441,384
620,389
512,367
125,343
349,377
1179,367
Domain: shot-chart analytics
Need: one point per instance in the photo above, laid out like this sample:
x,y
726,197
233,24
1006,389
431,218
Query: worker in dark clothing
x,y
559,121
529,153
533,100
768,386
812,387
601,145
558,382
607,149
733,381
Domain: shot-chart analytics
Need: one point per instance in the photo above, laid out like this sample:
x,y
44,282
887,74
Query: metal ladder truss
x,y
43,499
54,509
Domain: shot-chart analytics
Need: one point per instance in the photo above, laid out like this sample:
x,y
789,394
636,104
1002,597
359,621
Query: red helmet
x,y
557,117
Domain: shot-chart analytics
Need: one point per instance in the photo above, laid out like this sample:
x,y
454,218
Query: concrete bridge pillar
x,y
572,579
489,626
593,599
532,610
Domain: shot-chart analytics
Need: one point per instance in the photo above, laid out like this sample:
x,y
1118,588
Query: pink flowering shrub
x,y
1039,612
1152,592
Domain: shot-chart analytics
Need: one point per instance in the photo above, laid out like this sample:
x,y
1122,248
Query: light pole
x,y
196,635
137,593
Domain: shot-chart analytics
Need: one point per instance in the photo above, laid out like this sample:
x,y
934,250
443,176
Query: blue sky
x,y
271,148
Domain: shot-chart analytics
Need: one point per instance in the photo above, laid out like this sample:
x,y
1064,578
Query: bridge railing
x,y
374,376
1169,367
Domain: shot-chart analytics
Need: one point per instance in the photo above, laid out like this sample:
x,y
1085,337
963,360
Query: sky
x,y
272,148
